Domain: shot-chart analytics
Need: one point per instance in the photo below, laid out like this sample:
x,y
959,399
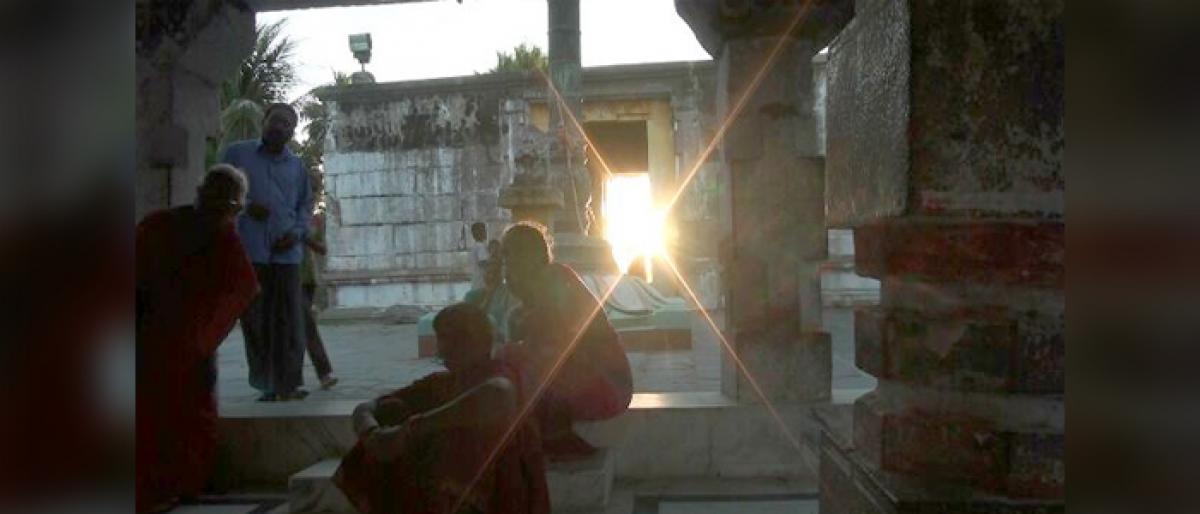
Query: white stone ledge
x,y
662,435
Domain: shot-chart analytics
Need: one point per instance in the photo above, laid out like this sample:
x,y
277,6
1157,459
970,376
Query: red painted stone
x,y
982,349
972,251
960,449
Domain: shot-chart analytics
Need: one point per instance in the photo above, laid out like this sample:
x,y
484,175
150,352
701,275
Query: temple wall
x,y
409,166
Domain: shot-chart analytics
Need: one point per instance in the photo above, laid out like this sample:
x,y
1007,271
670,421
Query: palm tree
x,y
316,114
522,58
263,78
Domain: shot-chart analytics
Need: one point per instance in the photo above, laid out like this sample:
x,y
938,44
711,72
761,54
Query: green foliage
x,y
264,77
521,58
316,114
312,151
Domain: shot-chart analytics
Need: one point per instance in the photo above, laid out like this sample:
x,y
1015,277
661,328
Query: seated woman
x,y
561,320
193,281
429,447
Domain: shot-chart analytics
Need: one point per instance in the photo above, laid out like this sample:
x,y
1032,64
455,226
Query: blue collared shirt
x,y
280,183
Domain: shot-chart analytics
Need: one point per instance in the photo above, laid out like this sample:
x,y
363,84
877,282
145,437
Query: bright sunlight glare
x,y
631,225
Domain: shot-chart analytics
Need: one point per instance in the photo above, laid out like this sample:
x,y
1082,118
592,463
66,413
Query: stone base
x,y
584,254
662,436
656,340
848,484
583,485
580,486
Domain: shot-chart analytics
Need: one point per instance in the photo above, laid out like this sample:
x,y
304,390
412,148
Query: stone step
x,y
311,491
579,486
583,485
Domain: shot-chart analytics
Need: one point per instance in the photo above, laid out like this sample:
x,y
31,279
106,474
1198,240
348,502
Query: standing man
x,y
273,230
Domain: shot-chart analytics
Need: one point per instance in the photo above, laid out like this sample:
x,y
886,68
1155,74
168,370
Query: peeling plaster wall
x,y
406,177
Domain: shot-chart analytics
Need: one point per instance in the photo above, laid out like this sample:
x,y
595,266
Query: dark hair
x,y
280,105
528,238
478,228
467,322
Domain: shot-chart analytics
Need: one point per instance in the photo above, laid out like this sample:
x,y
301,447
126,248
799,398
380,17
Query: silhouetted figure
x,y
193,281
493,298
315,245
560,320
421,448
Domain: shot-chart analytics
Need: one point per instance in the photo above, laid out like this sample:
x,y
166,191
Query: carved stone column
x,y
945,153
184,51
774,227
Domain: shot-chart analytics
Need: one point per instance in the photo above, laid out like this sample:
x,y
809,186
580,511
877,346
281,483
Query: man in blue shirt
x,y
273,228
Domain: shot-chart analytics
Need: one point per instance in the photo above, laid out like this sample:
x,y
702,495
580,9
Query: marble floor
x,y
373,358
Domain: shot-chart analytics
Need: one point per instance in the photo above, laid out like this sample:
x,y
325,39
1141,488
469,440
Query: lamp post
x,y
360,45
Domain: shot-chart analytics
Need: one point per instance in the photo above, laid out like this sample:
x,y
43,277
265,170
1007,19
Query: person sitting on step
x,y
563,339
452,441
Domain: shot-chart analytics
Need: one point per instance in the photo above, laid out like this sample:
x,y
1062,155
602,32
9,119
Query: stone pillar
x,y
775,226
945,153
567,154
773,219
183,53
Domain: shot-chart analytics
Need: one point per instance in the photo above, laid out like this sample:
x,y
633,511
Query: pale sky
x,y
444,38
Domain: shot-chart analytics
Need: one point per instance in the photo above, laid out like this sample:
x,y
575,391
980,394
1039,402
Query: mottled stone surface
x,y
987,92
849,485
184,50
773,227
945,155
994,350
952,109
867,150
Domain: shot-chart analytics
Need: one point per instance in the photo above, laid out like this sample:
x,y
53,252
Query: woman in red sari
x,y
439,446
193,281
561,320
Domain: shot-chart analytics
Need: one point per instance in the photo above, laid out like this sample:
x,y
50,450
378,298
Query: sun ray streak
x,y
736,359
531,402
738,105
562,105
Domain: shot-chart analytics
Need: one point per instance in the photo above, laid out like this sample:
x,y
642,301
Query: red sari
x,y
433,476
192,284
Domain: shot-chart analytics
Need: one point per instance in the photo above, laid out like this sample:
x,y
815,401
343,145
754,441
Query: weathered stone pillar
x,y
184,52
774,228
567,154
945,152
